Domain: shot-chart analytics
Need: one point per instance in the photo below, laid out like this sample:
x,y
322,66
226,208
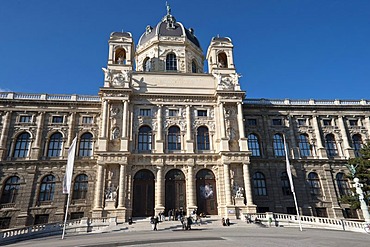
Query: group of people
x,y
179,215
225,222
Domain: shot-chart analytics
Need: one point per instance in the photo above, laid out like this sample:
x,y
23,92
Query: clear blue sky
x,y
298,49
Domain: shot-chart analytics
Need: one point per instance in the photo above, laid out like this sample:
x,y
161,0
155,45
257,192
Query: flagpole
x,y
289,172
68,179
65,217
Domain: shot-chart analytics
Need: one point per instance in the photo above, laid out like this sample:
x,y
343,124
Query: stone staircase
x,y
143,224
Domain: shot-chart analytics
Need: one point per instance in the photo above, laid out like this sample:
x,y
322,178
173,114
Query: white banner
x,y
69,168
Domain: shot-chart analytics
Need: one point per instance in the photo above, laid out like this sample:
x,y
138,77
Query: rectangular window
x,y
25,119
326,122
202,113
302,122
87,120
352,122
77,215
321,212
57,119
41,219
173,112
5,222
252,122
277,122
145,112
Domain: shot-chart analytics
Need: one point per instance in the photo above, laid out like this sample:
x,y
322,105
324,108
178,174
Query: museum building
x,y
162,134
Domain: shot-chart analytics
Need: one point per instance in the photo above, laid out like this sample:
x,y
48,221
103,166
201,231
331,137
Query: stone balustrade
x,y
287,220
305,102
83,225
49,97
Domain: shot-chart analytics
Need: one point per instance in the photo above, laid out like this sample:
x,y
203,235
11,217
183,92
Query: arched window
x,y
174,138
10,190
22,145
304,146
343,185
147,65
145,138
47,188
314,184
331,146
285,184
171,62
202,138
86,144
254,145
55,145
80,187
279,145
357,144
120,56
259,184
193,67
222,60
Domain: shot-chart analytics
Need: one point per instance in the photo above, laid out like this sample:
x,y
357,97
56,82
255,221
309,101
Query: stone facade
x,y
165,135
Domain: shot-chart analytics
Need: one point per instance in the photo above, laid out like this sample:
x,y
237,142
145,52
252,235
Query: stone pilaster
x,y
124,139
99,193
4,134
321,152
347,150
224,144
189,138
159,137
243,144
36,145
251,207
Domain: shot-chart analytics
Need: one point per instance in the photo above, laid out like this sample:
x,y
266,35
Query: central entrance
x,y
143,200
175,190
206,192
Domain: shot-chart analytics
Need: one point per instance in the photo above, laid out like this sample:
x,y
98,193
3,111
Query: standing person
x,y
169,214
152,222
156,221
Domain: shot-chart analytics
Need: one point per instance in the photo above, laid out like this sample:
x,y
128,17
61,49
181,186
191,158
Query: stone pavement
x,y
210,233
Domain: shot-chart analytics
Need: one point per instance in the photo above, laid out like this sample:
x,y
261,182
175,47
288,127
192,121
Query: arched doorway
x,y
175,190
143,199
206,192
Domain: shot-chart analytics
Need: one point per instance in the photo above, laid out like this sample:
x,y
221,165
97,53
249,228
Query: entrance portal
x,y
175,190
143,200
206,192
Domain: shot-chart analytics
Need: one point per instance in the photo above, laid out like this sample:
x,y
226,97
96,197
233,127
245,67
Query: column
x,y
293,142
71,135
4,134
320,148
188,123
191,186
159,188
240,121
222,119
37,141
124,119
227,185
99,188
159,137
247,185
343,131
159,123
5,129
243,143
103,133
121,196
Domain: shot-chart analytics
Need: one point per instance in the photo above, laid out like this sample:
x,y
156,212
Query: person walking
x,y
156,221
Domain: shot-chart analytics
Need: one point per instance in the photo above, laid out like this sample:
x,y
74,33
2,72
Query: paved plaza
x,y
211,235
